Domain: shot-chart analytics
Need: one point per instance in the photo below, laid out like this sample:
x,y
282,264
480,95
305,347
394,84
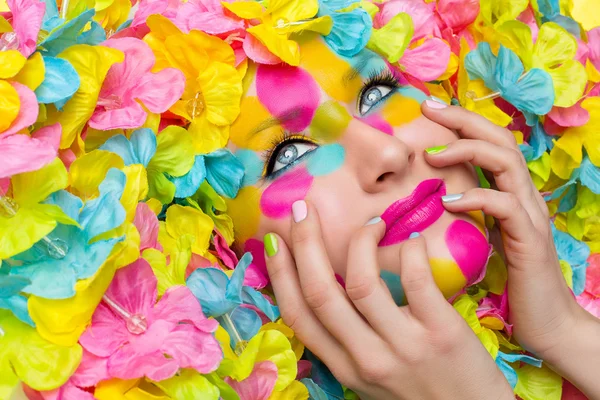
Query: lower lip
x,y
416,220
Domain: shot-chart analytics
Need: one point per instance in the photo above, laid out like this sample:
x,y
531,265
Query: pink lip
x,y
413,213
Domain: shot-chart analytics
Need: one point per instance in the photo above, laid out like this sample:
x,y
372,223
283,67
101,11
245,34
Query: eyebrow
x,y
270,122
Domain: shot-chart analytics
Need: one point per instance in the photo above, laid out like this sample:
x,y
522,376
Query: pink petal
x,y
129,116
304,368
126,364
22,153
177,305
528,17
589,303
27,21
91,370
206,16
428,61
258,52
192,348
583,51
594,46
160,91
139,59
223,251
106,333
421,14
146,223
260,383
28,112
458,14
4,184
147,8
592,279
67,157
134,288
256,274
570,392
572,116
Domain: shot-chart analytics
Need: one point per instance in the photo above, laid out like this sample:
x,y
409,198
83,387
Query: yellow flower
x,y
213,91
280,19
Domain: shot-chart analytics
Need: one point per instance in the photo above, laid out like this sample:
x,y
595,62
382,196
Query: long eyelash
x,y
277,142
376,77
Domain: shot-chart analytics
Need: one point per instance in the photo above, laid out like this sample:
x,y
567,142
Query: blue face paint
x,y
414,93
392,281
252,166
325,159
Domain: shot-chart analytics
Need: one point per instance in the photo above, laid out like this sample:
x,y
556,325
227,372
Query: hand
x,y
421,351
544,313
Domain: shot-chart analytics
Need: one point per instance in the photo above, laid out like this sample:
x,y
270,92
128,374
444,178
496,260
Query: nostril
x,y
411,157
383,177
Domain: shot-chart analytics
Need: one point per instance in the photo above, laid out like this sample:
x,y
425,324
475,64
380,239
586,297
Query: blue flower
x,y
10,295
574,252
587,174
502,360
531,92
55,277
539,143
351,30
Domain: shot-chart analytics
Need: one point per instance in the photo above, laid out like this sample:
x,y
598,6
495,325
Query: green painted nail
x,y
270,244
435,149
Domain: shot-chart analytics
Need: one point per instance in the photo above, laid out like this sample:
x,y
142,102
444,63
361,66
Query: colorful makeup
x,y
276,201
325,159
469,248
330,122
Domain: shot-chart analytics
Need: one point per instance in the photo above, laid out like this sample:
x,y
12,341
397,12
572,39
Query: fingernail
x,y
414,235
271,246
438,100
436,149
449,198
436,105
299,210
373,221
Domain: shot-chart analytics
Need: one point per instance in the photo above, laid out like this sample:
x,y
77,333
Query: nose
x,y
380,160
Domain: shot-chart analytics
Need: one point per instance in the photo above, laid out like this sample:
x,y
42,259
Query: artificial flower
x,y
185,220
27,16
10,295
350,30
207,16
135,344
130,89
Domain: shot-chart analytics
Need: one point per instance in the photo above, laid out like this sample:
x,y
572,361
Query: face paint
x,y
289,93
247,132
330,122
325,159
469,248
377,122
447,275
253,166
399,110
276,201
245,212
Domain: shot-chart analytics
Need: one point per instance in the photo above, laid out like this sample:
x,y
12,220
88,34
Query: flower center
x,y
137,324
195,106
8,207
9,41
112,102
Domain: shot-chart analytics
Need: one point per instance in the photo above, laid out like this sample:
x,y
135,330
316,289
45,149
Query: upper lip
x,y
403,206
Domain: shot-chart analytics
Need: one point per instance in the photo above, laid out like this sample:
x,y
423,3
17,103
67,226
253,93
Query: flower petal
x,y
260,383
105,335
428,61
27,21
192,348
178,305
28,112
61,81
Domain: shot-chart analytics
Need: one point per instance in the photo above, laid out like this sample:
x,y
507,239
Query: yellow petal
x,y
587,13
245,9
33,73
9,105
321,25
538,383
11,62
207,137
112,14
91,63
292,10
486,108
540,170
221,87
554,46
592,139
566,154
136,189
189,384
190,221
88,171
392,39
593,73
174,152
5,26
295,391
516,36
32,187
278,44
496,12
244,211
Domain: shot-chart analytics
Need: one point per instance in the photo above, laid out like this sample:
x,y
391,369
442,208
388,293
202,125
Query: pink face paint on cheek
x,y
283,89
276,201
377,122
469,248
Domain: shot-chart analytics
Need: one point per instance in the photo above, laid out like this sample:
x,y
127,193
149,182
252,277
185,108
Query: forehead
x,y
277,96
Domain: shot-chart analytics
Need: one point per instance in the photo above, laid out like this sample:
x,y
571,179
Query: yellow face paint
x,y
329,122
244,131
447,275
479,218
245,211
400,110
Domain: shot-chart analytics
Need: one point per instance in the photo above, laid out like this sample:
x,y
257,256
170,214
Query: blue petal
x,y
144,145
247,323
314,391
122,147
51,279
11,285
527,151
590,175
61,103
224,172
94,256
569,200
574,252
105,212
61,81
254,297
124,25
534,93
548,8
69,203
511,376
18,305
569,24
252,166
336,5
234,287
537,140
350,31
323,377
51,18
209,285
188,184
509,68
66,35
509,372
481,64
93,36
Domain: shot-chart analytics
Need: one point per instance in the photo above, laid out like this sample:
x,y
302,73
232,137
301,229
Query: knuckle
x,y
292,317
415,279
511,141
358,289
512,202
317,295
373,372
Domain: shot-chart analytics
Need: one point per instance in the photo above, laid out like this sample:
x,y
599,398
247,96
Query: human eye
x,y
377,88
287,153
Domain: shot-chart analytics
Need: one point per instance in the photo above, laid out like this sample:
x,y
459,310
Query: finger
x,y
507,166
296,313
365,287
505,207
425,300
320,288
469,124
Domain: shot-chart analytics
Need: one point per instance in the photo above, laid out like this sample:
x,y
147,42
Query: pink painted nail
x,y
435,105
299,210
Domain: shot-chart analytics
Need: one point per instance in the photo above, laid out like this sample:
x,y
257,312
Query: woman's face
x,y
342,134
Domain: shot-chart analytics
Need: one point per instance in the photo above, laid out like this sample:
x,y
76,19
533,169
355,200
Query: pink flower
x,y
130,84
260,383
147,338
146,223
28,111
594,47
166,8
27,16
23,153
207,16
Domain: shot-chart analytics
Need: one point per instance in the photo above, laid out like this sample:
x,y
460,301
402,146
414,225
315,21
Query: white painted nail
x,y
449,198
414,235
373,221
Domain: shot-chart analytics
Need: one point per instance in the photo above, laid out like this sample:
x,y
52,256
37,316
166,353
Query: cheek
x,y
276,201
469,248
378,122
326,159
